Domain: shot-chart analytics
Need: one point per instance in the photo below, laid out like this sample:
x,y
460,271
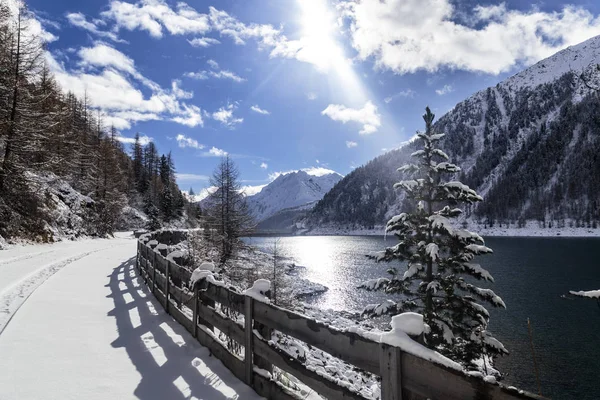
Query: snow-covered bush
x,y
439,258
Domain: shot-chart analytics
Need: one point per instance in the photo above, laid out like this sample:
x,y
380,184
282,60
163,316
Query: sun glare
x,y
318,24
320,47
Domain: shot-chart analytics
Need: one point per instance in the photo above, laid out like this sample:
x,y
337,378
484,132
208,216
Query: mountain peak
x,y
292,189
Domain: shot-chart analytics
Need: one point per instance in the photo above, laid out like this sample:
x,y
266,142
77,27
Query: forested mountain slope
x,y
62,172
529,145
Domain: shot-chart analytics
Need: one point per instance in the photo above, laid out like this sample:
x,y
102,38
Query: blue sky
x,y
284,85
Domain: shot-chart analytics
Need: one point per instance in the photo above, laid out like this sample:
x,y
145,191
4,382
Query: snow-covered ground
x,y
87,329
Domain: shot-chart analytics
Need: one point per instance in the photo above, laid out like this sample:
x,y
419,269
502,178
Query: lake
x,y
530,275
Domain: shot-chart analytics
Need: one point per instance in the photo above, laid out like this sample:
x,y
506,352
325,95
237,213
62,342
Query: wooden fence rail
x,y
403,375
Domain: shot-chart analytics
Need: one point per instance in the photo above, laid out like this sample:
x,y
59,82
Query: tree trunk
x,y
13,111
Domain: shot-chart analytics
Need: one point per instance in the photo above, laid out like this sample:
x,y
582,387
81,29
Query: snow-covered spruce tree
x,y
440,273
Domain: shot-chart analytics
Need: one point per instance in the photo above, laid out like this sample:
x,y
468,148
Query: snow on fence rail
x,y
403,375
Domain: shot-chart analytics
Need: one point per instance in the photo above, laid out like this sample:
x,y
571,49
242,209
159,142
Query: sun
x,y
319,45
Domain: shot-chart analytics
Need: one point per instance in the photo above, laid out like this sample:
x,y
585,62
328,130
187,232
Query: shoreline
x,y
528,231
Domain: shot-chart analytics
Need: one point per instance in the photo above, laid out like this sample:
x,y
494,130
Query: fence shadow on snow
x,y
171,363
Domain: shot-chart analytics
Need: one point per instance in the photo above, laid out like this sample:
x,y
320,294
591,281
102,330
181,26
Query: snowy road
x,y
78,325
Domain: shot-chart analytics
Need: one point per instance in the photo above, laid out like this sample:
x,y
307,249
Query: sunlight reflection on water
x,y
340,263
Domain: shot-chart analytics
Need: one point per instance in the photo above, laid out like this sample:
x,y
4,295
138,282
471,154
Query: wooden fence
x,y
403,376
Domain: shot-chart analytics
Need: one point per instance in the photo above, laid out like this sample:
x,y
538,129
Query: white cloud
x,y
178,92
184,141
102,55
259,110
79,20
225,74
403,93
200,75
227,25
409,35
216,73
213,64
444,90
182,177
154,15
311,96
110,78
225,116
264,165
367,116
203,42
215,152
123,119
144,140
190,115
350,144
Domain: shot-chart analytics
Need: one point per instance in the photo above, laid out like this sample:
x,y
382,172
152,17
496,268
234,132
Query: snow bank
x,y
304,288
207,266
259,290
411,323
177,254
205,271
592,294
161,248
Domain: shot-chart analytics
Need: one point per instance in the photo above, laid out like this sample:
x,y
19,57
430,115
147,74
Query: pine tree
x,y
439,259
138,162
228,212
153,220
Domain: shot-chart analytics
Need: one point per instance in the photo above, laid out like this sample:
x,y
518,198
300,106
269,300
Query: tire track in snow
x,y
13,297
24,257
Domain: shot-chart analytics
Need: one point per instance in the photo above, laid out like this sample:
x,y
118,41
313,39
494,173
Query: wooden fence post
x,y
207,302
142,263
195,311
266,333
166,285
390,363
153,270
249,336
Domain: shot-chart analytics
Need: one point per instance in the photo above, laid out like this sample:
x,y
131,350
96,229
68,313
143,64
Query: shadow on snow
x,y
172,364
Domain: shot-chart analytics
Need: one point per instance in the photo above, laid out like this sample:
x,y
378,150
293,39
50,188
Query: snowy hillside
x,y
291,190
528,145
574,58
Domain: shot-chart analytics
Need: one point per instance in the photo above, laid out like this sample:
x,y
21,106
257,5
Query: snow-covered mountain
x,y
289,190
529,145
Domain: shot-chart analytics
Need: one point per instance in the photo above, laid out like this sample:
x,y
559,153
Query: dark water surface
x,y
531,275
